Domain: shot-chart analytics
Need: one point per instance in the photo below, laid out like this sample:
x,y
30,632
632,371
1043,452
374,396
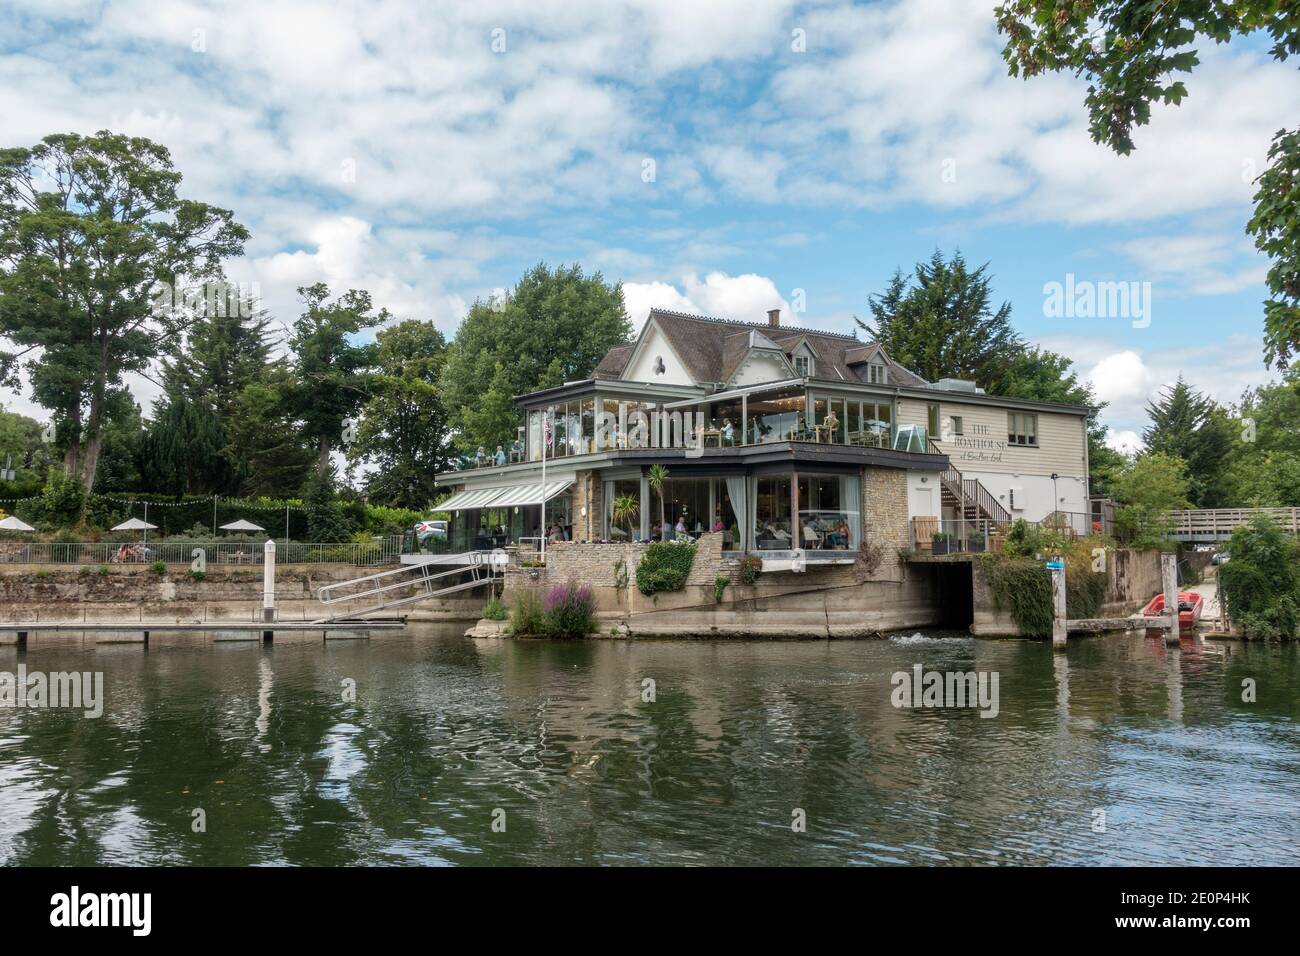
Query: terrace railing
x,y
220,553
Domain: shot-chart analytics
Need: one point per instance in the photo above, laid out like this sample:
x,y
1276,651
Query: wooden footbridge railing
x,y
1217,524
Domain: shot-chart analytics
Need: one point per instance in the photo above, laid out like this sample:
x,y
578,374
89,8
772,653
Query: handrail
x,y
473,561
970,490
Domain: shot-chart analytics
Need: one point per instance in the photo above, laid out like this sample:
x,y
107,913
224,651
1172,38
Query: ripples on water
x,y
446,732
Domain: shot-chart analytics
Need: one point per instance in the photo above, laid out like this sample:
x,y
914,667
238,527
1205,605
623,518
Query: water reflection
x,y
444,732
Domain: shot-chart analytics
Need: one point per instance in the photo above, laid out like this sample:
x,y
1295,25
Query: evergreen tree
x,y
1187,425
941,323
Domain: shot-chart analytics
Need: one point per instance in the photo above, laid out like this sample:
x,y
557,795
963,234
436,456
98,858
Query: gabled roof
x,y
712,349
615,360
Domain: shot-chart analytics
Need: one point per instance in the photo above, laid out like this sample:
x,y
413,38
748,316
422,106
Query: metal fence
x,y
975,535
369,554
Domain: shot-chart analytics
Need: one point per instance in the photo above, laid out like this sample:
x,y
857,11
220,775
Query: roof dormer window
x,y
803,365
877,374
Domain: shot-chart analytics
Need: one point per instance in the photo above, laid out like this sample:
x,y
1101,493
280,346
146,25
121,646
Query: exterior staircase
x,y
971,500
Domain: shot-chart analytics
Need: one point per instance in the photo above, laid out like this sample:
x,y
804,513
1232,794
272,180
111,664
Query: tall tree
x,y
221,370
183,447
553,327
91,229
404,432
1132,53
1187,425
333,371
940,323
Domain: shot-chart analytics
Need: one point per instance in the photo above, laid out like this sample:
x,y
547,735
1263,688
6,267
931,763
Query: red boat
x,y
1190,605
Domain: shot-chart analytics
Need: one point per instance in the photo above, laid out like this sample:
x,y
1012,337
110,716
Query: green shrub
x,y
719,587
102,570
197,575
751,566
83,570
62,497
526,615
1260,584
42,573
1025,540
158,567
1022,586
665,566
495,610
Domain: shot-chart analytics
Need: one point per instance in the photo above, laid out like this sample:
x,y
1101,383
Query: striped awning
x,y
506,497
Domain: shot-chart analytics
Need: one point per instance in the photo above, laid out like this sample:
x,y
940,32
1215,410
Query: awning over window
x,y
505,497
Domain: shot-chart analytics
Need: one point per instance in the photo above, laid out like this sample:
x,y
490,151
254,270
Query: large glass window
x,y
587,427
724,516
560,432
772,516
686,505
777,416
623,509
829,516
534,436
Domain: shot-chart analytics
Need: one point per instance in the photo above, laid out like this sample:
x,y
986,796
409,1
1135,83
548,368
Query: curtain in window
x,y
740,505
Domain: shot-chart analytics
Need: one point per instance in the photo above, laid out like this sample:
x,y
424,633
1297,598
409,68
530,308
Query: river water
x,y
457,751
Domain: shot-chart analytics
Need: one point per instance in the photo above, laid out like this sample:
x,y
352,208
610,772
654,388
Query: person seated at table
x,y
517,450
728,431
656,531
717,521
555,534
800,428
679,529
832,425
811,538
839,538
778,533
501,455
480,457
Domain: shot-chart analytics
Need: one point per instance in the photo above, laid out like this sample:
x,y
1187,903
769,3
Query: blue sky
x,y
799,151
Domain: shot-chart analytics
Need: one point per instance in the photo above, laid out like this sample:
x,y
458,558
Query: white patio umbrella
x,y
135,524
242,525
13,523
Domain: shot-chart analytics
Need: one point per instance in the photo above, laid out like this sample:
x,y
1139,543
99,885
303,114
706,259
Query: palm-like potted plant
x,y
657,475
624,510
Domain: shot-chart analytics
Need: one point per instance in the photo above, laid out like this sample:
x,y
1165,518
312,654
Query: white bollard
x,y
268,582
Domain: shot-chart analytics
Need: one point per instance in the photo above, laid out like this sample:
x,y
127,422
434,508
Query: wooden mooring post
x,y
1169,571
1059,631
268,588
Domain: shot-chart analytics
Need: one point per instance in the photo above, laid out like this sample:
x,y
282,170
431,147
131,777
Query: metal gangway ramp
x,y
411,583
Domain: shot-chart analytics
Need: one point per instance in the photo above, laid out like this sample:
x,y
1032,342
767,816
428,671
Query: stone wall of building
x,y
586,504
884,516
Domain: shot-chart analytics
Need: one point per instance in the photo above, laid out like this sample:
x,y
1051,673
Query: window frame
x,y
1022,429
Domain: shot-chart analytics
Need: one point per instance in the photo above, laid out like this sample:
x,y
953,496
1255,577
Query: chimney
x,y
774,317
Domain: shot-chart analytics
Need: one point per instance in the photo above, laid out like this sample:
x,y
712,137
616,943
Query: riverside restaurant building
x,y
784,440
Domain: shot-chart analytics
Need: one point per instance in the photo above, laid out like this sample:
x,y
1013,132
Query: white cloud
x,y
1127,378
1126,442
746,298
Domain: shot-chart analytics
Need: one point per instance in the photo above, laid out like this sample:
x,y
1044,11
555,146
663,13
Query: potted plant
x,y
940,542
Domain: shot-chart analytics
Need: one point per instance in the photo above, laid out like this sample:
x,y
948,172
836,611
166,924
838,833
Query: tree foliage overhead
x,y
404,433
91,227
1134,54
553,327
332,369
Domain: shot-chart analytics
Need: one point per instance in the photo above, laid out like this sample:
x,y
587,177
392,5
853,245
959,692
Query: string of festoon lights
x,y
192,503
